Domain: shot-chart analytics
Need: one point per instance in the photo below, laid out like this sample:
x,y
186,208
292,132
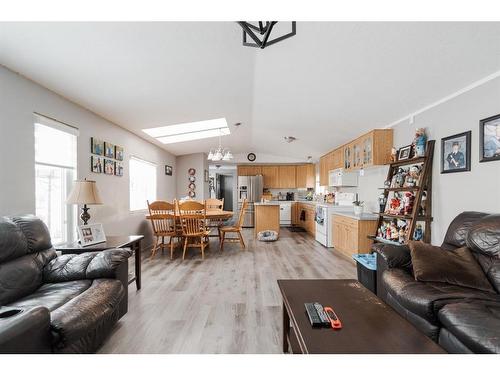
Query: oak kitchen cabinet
x,y
287,177
323,170
305,176
350,235
372,148
249,170
270,174
306,211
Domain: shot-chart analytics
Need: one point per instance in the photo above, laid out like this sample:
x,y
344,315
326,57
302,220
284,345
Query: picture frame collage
x,y
106,157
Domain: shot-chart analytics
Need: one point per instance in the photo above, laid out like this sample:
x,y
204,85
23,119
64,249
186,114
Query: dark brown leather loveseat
x,y
65,304
462,320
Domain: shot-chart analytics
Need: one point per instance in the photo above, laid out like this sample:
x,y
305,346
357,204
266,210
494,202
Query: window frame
x,y
70,220
134,158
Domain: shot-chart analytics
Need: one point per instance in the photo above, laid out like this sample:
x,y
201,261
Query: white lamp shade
x,y
84,192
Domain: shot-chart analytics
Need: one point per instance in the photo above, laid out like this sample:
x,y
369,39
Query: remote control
x,y
334,319
325,320
313,316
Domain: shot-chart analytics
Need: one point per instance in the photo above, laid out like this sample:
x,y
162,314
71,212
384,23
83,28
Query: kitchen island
x,y
267,217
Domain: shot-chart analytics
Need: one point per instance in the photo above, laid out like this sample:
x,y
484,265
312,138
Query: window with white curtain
x,y
142,183
55,171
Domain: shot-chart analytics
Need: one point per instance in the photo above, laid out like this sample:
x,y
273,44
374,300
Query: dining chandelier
x,y
220,153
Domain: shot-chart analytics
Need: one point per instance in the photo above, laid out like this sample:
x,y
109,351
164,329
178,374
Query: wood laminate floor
x,y
228,303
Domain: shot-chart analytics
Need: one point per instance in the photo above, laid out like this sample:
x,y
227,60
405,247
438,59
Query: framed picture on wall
x,y
455,153
119,153
109,150
96,164
118,169
96,146
489,139
109,167
206,175
168,170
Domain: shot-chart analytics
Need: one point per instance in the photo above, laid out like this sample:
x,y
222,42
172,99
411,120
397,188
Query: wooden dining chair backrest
x,y
241,217
162,216
214,204
193,216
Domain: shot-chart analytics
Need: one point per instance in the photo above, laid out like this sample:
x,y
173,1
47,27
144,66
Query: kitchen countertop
x,y
270,203
364,216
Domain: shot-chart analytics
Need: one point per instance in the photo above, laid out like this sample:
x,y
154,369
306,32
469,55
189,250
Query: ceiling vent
x,y
290,139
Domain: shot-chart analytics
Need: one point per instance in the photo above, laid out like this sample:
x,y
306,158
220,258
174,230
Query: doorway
x,y
224,189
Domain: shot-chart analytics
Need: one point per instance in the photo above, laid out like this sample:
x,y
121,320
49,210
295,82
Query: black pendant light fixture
x,y
260,33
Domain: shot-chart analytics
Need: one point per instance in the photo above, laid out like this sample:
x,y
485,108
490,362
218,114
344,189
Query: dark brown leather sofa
x,y
56,304
461,320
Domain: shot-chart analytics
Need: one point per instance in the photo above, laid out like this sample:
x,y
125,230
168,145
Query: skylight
x,y
189,131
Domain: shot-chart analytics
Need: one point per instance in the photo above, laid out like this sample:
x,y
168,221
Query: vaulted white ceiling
x,y
324,86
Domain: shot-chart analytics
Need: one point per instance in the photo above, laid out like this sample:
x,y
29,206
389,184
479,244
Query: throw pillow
x,y
457,267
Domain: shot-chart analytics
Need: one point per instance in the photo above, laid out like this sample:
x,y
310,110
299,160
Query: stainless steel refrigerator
x,y
249,188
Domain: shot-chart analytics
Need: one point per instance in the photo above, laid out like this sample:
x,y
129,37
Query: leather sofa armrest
x,y
24,331
92,265
394,256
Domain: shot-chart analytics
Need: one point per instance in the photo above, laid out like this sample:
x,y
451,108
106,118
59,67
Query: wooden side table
x,y
112,242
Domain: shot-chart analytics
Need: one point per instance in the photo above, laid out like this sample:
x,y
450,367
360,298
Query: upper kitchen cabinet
x,y
287,176
305,176
323,170
271,176
347,152
249,170
338,158
377,146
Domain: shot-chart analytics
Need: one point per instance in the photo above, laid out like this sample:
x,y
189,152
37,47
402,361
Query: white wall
x,y
200,164
477,190
19,99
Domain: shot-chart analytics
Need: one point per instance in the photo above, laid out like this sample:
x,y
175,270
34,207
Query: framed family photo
x,y
109,166
404,153
168,170
96,146
455,153
489,139
91,234
119,153
96,164
109,150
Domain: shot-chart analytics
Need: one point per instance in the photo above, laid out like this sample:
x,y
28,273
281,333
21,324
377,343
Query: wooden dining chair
x,y
214,224
193,221
164,223
234,229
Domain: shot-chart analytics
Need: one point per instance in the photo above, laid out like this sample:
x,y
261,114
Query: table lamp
x,y
84,192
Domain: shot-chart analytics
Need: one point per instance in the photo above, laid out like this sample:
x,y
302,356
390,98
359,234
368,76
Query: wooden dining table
x,y
210,215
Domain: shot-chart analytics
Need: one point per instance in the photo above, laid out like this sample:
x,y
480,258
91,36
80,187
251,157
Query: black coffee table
x,y
369,326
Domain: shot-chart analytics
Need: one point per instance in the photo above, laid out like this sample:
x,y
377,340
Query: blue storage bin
x,y
367,270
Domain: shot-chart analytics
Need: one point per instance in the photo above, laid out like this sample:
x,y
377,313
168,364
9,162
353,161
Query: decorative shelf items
x,y
107,158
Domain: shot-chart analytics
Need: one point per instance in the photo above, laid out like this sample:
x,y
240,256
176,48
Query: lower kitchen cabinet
x,y
350,235
304,218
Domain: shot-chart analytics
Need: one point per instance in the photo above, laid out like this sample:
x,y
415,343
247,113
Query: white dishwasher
x,y
285,213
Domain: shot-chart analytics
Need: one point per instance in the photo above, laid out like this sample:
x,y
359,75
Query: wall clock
x,y
251,157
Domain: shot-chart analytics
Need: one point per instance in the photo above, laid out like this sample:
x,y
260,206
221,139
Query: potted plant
x,y
358,206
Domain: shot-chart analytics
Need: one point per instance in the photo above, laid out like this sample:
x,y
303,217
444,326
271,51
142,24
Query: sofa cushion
x,y
22,276
53,296
456,235
457,267
88,316
13,244
427,298
476,325
36,232
484,240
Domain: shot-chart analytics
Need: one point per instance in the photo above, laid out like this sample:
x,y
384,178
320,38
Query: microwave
x,y
338,177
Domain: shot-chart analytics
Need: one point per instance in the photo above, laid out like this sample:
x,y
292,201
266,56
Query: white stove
x,y
323,217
